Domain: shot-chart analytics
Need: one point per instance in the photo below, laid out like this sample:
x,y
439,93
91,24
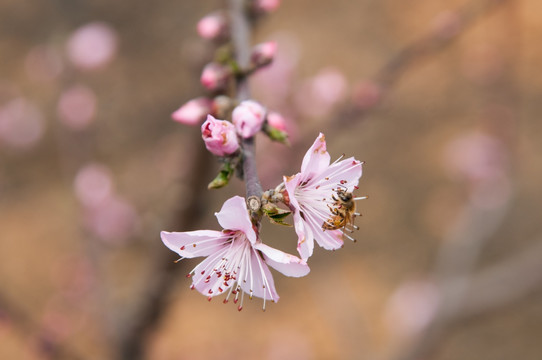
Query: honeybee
x,y
343,212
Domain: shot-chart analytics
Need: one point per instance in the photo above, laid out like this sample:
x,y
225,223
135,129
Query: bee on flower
x,y
321,199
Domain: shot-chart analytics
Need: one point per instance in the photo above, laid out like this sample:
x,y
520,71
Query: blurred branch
x,y
29,328
152,302
428,44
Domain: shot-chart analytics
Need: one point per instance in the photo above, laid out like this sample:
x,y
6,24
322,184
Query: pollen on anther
x,y
210,298
188,275
356,187
225,301
220,289
240,308
182,247
210,291
203,272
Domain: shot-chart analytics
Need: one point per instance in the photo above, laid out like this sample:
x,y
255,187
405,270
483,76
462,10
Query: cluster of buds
x,y
319,198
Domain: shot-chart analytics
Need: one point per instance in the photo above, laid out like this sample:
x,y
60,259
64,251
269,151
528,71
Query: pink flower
x,y
236,260
219,136
215,76
312,193
213,26
194,111
248,118
263,53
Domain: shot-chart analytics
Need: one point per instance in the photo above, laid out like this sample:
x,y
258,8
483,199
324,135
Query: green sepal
x,y
223,177
275,214
276,134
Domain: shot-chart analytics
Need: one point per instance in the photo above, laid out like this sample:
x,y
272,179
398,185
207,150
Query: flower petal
x,y
345,172
316,159
287,264
234,216
208,281
191,244
259,281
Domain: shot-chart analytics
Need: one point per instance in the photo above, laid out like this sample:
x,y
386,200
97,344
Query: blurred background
x,y
439,98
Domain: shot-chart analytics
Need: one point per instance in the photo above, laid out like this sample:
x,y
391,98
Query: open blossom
x,y
215,76
219,136
248,118
312,195
194,111
237,261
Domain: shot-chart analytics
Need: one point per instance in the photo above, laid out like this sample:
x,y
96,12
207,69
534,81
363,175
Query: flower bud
x,y
276,120
194,111
219,136
248,118
263,53
215,76
266,6
213,26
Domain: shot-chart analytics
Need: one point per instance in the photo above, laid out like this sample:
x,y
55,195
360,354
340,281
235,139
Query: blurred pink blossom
x,y
411,307
266,5
366,94
43,63
215,76
219,136
318,95
213,26
194,111
21,123
264,53
93,184
113,220
77,107
475,156
273,84
92,45
248,118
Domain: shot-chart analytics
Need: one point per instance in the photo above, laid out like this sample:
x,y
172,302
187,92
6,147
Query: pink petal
x,y
316,159
259,281
234,216
346,172
206,280
287,264
191,244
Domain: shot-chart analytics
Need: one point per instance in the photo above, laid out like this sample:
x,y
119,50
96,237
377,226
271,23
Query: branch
x,y
241,42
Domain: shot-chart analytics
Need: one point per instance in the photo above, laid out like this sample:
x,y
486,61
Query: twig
x,y
241,43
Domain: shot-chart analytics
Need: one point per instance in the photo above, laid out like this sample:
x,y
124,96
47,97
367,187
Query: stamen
x,y
361,198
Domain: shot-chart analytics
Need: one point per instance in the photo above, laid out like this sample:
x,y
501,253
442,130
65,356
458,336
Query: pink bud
x,y
266,5
213,26
215,76
219,136
248,118
194,111
276,120
92,46
263,53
